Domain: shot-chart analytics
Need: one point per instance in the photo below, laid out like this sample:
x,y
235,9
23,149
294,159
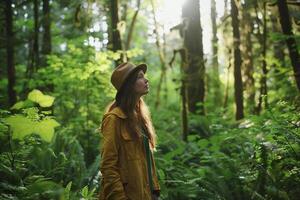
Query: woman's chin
x,y
146,92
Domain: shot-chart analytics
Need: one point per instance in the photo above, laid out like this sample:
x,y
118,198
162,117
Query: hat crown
x,y
122,71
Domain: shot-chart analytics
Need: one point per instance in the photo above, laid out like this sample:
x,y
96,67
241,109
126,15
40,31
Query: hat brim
x,y
142,67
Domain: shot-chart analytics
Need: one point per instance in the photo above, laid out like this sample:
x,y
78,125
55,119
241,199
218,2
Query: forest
x,y
224,94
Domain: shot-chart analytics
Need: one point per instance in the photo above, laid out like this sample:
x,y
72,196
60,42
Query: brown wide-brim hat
x,y
122,72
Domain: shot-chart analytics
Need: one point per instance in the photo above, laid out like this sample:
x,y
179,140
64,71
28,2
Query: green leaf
x,y
38,97
66,194
45,128
43,186
22,126
203,143
161,174
85,191
22,104
18,105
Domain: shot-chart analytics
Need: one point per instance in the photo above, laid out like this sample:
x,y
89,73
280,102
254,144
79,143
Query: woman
x,y
127,164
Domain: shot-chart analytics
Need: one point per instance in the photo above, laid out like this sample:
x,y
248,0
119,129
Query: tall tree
x,y
46,45
131,27
215,78
290,39
193,44
3,61
263,80
247,54
238,83
11,72
229,65
278,49
226,29
183,90
278,45
36,56
115,33
161,54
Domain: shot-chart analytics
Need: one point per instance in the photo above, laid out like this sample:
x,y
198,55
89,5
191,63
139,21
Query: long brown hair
x,y
136,110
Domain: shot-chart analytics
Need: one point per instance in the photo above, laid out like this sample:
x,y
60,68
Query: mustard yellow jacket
x,y
123,162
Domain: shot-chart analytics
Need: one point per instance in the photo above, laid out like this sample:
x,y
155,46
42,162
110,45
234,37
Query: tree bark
x,y
238,84
290,39
225,103
36,35
124,8
278,51
263,80
278,45
193,44
131,27
46,46
115,34
248,59
11,73
183,90
225,32
215,78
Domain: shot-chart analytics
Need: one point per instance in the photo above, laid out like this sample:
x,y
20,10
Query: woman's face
x,y
141,86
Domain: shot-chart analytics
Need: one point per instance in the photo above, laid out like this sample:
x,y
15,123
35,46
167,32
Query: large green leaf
x,y
22,126
45,128
38,97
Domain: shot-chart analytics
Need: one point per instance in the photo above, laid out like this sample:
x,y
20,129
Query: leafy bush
x,y
258,158
36,163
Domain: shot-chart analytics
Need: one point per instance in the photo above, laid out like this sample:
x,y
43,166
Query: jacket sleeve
x,y
154,175
112,185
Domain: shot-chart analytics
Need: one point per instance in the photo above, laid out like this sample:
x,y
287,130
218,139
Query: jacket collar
x,y
118,112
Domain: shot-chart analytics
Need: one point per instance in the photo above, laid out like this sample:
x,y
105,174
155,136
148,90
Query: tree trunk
x,y
131,27
278,51
193,44
161,57
46,46
263,81
11,73
290,39
183,90
115,34
124,8
238,84
36,35
225,32
215,78
225,103
248,60
278,45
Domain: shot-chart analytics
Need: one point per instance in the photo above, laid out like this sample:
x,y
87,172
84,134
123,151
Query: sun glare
x,y
169,15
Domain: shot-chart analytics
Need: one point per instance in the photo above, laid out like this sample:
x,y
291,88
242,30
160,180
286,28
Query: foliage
x,y
229,164
35,162
30,121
